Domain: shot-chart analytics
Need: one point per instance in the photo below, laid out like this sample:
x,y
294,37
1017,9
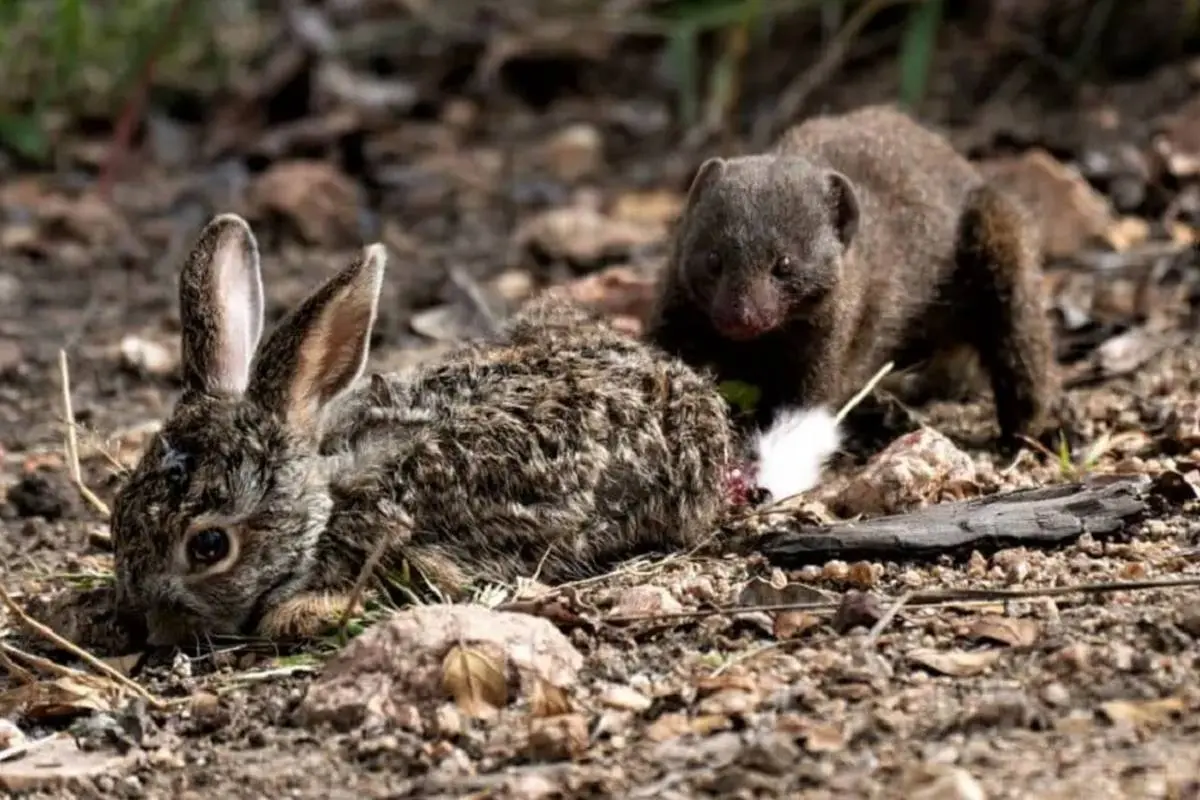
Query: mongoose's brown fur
x,y
861,238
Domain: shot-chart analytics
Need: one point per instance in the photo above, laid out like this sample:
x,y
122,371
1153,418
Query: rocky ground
x,y
487,180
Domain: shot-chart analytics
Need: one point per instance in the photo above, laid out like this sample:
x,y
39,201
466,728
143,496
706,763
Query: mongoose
x,y
858,239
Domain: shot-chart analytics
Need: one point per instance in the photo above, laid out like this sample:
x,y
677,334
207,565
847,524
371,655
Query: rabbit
x,y
555,451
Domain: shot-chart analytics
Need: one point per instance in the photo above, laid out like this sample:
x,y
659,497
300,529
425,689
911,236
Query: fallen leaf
x,y
790,624
1011,631
475,680
1143,714
66,696
548,700
955,663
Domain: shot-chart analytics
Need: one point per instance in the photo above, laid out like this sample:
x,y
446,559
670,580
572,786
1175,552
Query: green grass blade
x,y
23,134
916,51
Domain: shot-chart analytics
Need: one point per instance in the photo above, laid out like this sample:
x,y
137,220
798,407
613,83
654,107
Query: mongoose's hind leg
x,y
999,291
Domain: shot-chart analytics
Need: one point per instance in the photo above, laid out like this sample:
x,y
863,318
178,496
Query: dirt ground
x,y
1086,694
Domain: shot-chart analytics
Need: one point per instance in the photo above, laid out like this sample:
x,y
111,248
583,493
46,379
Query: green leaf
x,y
916,51
23,134
741,394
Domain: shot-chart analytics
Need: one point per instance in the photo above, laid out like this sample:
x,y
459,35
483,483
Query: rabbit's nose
x,y
168,627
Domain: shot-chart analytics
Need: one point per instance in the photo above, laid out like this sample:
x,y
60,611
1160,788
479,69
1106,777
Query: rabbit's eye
x,y
208,546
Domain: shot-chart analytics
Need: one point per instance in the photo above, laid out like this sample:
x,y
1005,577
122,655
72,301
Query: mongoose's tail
x,y
792,450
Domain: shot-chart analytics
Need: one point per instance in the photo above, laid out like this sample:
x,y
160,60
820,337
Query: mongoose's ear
x,y
220,307
708,172
320,348
843,202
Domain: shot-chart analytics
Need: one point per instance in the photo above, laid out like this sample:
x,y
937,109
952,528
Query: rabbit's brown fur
x,y
558,450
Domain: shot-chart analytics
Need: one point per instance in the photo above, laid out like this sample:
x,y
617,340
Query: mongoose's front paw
x,y
304,617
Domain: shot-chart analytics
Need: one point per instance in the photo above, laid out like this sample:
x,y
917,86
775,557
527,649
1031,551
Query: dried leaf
x,y
1143,714
1011,631
955,663
64,696
548,700
475,680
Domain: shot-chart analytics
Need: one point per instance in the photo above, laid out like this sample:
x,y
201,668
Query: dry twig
x,y
73,442
936,597
59,641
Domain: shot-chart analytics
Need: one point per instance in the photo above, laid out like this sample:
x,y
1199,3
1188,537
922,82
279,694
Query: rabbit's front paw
x,y
304,616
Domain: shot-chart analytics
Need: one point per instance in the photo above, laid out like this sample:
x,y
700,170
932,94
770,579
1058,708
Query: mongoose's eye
x,y
208,546
712,260
783,267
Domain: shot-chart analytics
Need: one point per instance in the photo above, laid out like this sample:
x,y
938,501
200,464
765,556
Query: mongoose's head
x,y
762,240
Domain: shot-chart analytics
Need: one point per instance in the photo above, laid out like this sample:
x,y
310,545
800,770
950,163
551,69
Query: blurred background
x,y
497,147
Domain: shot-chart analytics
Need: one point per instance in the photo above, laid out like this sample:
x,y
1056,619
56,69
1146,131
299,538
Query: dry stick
x,y
63,643
774,507
53,667
15,670
73,441
885,620
933,598
864,391
360,583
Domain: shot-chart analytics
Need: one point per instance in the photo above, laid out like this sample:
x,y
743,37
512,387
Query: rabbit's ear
x,y
320,348
220,307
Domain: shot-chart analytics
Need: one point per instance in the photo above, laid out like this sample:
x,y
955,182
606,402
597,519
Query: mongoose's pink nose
x,y
739,328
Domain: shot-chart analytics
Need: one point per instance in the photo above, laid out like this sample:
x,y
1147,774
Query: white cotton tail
x,y
793,449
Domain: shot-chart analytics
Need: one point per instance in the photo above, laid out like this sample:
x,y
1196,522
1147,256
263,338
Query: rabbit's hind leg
x,y
304,616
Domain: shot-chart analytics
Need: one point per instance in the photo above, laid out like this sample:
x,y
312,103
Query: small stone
x,y
557,738
1056,694
208,712
575,152
145,356
449,721
857,609
625,698
645,601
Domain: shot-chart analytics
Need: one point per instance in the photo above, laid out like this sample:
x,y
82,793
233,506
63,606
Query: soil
x,y
1101,701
